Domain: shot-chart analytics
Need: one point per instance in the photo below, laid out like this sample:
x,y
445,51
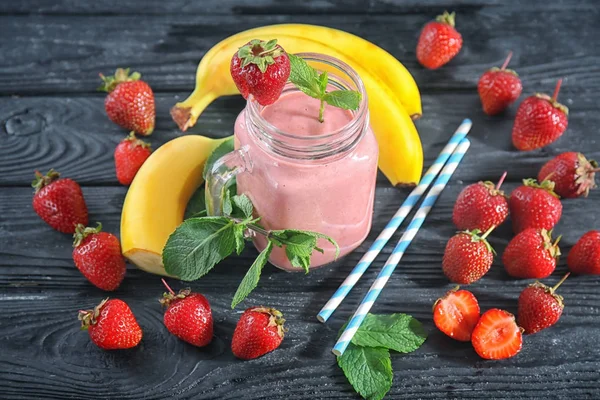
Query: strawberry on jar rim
x,y
573,174
540,121
439,41
111,325
260,69
130,101
498,88
97,255
59,202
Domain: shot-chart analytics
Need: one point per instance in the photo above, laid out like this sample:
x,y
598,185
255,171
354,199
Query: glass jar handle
x,y
219,177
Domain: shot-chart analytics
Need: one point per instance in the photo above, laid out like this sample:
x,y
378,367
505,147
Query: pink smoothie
x,y
332,197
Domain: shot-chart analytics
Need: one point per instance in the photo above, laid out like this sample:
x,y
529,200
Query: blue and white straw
x,y
400,248
389,230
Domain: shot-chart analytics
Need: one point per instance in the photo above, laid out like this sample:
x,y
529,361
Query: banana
x,y
390,89
158,196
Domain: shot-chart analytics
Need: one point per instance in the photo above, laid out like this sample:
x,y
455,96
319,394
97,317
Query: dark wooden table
x,y
52,117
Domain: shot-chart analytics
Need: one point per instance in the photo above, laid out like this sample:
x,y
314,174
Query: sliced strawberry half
x,y
497,335
456,314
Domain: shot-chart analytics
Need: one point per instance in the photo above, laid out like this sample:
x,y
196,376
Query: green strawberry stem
x,y
510,53
564,278
485,235
501,180
82,231
167,286
321,111
556,90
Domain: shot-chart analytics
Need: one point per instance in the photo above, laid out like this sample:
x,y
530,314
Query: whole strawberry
x,y
584,257
468,256
534,205
540,307
111,325
456,314
540,120
497,336
188,316
130,101
439,42
498,88
259,331
260,69
98,256
59,202
573,175
480,206
130,154
531,254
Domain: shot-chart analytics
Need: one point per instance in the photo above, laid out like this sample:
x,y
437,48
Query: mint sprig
x,y
199,244
309,81
366,363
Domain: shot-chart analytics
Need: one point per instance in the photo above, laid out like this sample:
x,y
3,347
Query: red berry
x,y
456,314
467,257
534,205
260,69
130,101
584,257
188,316
59,202
480,206
498,88
111,325
439,42
572,174
259,331
98,256
540,120
540,307
130,154
497,336
531,254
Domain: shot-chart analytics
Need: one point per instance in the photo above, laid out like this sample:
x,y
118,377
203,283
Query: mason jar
x,y
301,173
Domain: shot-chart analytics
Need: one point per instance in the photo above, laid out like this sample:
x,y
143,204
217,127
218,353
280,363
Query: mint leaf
x,y
238,234
251,278
323,80
243,204
316,235
368,369
304,76
346,99
299,248
196,207
399,332
220,151
197,245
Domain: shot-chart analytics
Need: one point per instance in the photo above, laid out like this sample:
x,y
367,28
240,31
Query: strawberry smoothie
x,y
309,175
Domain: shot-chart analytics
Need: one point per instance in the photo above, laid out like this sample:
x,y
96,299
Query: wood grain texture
x,y
52,51
74,136
59,54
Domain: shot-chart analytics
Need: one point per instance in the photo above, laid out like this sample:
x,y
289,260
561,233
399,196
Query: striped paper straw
x,y
400,248
392,226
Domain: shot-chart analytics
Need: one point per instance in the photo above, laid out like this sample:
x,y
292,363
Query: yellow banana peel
x,y
157,198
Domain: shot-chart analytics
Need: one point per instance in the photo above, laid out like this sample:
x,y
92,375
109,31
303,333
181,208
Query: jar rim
x,y
357,117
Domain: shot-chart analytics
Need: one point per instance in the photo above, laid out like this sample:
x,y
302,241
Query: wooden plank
x,y
59,54
74,136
